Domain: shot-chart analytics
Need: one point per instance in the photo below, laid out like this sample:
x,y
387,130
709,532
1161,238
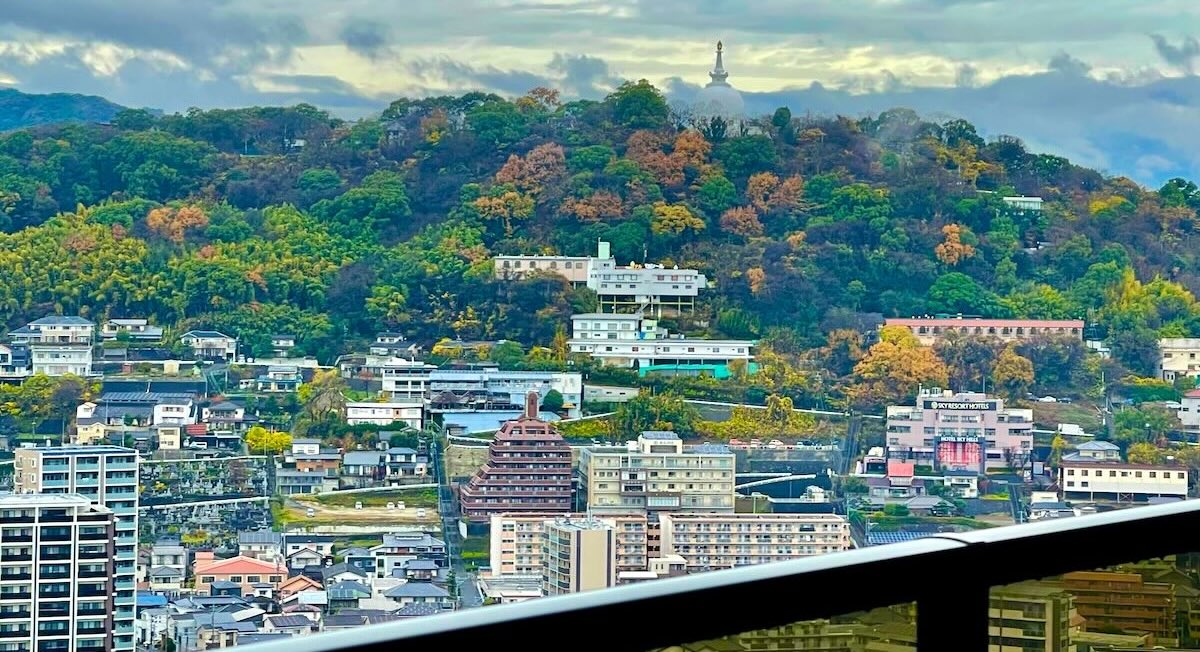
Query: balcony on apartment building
x,y
954,581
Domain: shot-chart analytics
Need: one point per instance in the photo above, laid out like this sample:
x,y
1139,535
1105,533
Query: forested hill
x,y
266,220
18,110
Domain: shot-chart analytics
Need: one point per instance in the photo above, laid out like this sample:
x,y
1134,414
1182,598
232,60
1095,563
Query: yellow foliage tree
x,y
1145,453
506,207
261,441
894,368
674,219
759,188
1013,373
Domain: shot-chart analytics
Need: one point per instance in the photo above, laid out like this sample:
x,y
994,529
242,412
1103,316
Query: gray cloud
x,y
367,38
1182,57
449,75
1068,65
582,75
966,75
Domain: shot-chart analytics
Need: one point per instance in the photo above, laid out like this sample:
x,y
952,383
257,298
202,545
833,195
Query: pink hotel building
x,y
967,431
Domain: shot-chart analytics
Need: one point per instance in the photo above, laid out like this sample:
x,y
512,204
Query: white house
x,y
15,362
403,379
58,345
306,446
210,345
638,342
382,414
1189,411
134,329
489,388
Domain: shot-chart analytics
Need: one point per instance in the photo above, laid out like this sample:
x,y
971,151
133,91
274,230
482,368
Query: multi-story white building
x,y
134,329
1109,481
403,379
57,578
968,431
210,345
638,342
383,414
655,474
650,288
578,555
1178,357
58,345
716,541
108,476
1189,410
489,388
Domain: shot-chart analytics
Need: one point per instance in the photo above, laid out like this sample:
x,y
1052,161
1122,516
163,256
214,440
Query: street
x,y
468,587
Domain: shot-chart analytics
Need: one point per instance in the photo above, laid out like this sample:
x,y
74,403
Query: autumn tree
x,y
953,250
323,396
674,219
174,223
741,221
1145,453
542,166
261,441
1013,374
759,188
597,207
894,368
507,207
969,359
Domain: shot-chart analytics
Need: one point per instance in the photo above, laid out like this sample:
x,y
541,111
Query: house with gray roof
x,y
210,345
420,593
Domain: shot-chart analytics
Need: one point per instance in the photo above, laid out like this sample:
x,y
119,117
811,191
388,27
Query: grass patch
x,y
1049,415
423,497
477,549
998,497
891,523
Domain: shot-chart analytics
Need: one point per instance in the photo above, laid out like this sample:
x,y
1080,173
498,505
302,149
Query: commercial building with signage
x,y
967,431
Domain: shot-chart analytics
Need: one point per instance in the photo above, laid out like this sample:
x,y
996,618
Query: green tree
x,y
638,105
1142,425
745,155
1013,374
553,401
655,412
716,196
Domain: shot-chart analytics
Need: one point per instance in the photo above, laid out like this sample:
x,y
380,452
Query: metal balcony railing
x,y
947,576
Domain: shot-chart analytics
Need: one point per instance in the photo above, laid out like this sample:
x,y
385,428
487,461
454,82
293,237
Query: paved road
x,y
468,587
1014,500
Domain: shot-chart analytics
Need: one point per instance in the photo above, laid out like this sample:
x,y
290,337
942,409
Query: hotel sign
x,y
975,406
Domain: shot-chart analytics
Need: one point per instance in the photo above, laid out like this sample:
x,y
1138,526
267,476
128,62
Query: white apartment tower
x,y
56,574
107,476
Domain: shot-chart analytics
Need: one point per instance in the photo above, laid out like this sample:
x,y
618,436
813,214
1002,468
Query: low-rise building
x,y
243,571
929,330
488,388
291,483
634,341
400,548
655,474
1178,357
15,362
363,468
140,330
572,268
279,379
1030,616
1094,451
260,544
1118,482
405,462
282,345
967,431
404,380
210,345
1189,409
410,413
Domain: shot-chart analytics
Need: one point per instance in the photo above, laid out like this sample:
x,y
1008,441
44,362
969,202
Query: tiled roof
x,y
205,334
416,590
882,538
289,621
259,537
61,320
414,609
239,565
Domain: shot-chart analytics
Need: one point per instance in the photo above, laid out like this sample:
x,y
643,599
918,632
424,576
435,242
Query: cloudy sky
x,y
1109,83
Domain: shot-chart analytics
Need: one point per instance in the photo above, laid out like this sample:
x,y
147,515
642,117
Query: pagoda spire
x,y
718,74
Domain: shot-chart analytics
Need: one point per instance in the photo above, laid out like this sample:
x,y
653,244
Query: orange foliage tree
x,y
173,223
741,220
953,250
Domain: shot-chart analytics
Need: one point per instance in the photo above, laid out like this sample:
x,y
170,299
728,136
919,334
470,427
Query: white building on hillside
x,y
637,342
1178,357
58,345
383,414
490,389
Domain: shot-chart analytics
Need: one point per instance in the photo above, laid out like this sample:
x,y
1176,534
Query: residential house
x,y
411,413
399,548
1189,409
228,417
293,625
291,483
363,468
260,544
15,362
341,572
296,584
322,544
169,436
421,570
420,593
139,330
282,345
360,558
165,578
306,446
279,379
487,388
406,463
169,553
394,344
244,571
1094,451
58,345
210,345
151,626
346,594
226,589
304,558
327,462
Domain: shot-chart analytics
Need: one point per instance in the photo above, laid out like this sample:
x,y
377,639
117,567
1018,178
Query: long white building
x,y
58,345
57,580
383,414
648,287
489,388
655,474
1113,481
636,341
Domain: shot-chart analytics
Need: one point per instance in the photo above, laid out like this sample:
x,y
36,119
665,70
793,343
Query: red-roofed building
x,y
931,329
245,571
900,471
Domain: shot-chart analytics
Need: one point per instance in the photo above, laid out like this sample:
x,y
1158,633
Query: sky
x,y
1111,84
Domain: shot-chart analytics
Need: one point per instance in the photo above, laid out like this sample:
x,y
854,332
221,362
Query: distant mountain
x,y
19,109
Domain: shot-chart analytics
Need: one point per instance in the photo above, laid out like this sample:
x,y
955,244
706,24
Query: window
x,y
1070,471
206,579
1137,474
1070,483
254,579
1154,474
236,579
1181,476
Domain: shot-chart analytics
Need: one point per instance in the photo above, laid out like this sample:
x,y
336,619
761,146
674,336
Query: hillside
x,y
19,110
266,220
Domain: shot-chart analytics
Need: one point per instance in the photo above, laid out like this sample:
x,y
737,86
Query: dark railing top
x,y
774,594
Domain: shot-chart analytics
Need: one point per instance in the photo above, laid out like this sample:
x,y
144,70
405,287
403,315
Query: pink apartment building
x,y
967,431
